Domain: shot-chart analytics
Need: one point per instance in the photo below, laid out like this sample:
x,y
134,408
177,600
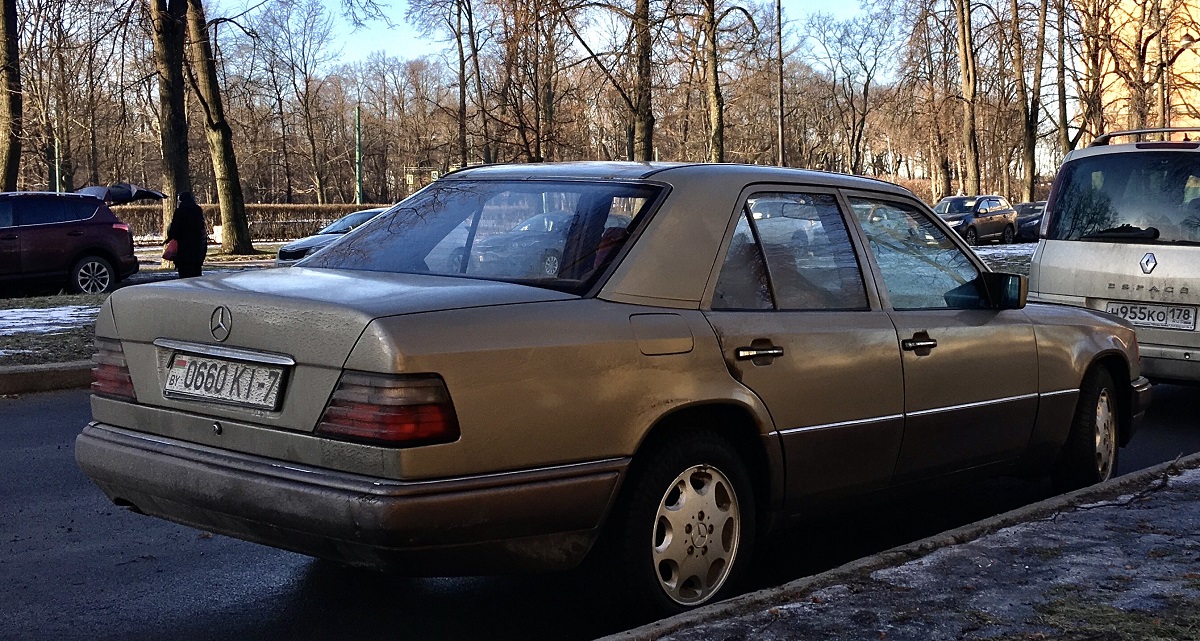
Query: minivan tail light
x,y
110,373
395,411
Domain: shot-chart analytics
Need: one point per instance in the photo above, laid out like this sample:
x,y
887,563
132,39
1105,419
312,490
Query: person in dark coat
x,y
189,230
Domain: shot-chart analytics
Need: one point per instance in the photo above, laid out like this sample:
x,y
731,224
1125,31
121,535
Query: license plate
x,y
1162,316
224,381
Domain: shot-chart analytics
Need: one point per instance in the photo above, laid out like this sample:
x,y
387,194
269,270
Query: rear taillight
x,y
396,411
121,226
110,374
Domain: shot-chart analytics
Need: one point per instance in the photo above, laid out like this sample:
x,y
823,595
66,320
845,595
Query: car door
x,y
10,242
46,241
796,326
970,372
985,219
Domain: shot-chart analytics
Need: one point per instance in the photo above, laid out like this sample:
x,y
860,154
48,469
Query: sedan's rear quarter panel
x,y
550,383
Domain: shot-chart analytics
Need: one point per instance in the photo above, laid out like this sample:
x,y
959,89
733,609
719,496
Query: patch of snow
x,y
46,320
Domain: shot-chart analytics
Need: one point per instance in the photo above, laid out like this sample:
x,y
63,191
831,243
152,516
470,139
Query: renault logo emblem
x,y
1148,263
220,323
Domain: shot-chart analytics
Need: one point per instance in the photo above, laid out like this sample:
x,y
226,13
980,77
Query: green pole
x,y
358,190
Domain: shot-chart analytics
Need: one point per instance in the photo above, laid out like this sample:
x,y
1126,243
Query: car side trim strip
x,y
891,417
861,421
221,351
967,406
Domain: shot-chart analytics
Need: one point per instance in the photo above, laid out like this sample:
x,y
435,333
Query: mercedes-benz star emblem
x,y
220,323
1148,263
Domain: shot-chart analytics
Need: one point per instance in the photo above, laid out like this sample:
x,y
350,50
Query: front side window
x,y
1144,197
921,267
554,234
6,214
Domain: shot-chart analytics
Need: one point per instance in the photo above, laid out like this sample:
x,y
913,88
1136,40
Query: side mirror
x,y
1004,291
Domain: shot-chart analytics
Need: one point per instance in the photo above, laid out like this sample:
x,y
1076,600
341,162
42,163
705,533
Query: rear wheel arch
x,y
733,423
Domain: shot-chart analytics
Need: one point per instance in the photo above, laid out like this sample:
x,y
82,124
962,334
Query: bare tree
x,y
235,229
10,99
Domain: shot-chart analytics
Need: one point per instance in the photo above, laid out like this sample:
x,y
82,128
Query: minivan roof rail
x,y
1103,139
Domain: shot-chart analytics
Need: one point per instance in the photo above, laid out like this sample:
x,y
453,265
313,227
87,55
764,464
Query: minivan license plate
x,y
1162,316
224,381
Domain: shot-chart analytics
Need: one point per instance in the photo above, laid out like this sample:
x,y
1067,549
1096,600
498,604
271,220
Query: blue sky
x,y
402,42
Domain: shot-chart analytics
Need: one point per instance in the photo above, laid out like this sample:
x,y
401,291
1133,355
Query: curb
x,y
27,379
792,591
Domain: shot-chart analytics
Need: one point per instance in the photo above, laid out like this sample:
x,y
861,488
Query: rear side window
x,y
1142,196
802,260
43,211
6,214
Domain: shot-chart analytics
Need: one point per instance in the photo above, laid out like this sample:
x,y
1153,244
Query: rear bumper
x,y
1169,363
128,266
1139,400
539,520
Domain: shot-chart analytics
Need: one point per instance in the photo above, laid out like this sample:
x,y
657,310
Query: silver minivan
x,y
1121,233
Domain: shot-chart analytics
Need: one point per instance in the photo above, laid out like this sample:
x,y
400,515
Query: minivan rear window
x,y
1144,197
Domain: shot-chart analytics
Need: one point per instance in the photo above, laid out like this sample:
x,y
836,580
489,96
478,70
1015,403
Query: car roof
x,y
44,194
676,174
1179,146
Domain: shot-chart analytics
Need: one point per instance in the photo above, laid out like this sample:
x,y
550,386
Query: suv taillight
x,y
110,374
121,226
396,411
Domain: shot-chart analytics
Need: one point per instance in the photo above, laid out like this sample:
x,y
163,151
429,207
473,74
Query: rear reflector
x,y
110,374
395,411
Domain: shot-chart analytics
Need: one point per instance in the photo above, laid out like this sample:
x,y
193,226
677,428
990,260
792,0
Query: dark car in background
x,y
298,249
1029,220
62,240
979,218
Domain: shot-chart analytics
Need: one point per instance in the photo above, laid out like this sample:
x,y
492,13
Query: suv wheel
x,y
92,275
971,236
1009,235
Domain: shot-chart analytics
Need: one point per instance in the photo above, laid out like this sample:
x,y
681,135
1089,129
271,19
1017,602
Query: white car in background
x,y
1121,234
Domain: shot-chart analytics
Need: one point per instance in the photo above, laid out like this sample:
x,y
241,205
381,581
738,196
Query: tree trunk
x,y
10,100
461,116
1064,132
643,113
235,230
473,40
970,87
716,102
168,17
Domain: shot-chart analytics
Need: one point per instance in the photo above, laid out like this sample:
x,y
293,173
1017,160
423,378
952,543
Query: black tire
x,y
1089,455
550,264
971,236
92,275
1010,235
701,480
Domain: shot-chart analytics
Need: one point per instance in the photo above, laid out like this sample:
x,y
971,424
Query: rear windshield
x,y
559,235
1145,197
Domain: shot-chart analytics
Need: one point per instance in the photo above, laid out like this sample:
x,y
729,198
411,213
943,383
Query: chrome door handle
x,y
750,353
913,344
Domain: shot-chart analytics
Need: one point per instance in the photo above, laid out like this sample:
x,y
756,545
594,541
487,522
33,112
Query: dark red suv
x,y
62,239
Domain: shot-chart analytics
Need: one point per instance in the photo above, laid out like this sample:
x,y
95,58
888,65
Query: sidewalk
x,y
1120,560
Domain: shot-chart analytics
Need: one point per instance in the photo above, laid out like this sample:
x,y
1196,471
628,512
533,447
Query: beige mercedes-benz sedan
x,y
520,366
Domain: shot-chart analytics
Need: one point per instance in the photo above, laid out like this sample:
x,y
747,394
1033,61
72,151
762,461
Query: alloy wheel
x,y
696,534
93,277
1106,435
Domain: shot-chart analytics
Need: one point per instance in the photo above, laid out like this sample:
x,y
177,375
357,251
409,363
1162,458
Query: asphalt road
x,y
72,566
